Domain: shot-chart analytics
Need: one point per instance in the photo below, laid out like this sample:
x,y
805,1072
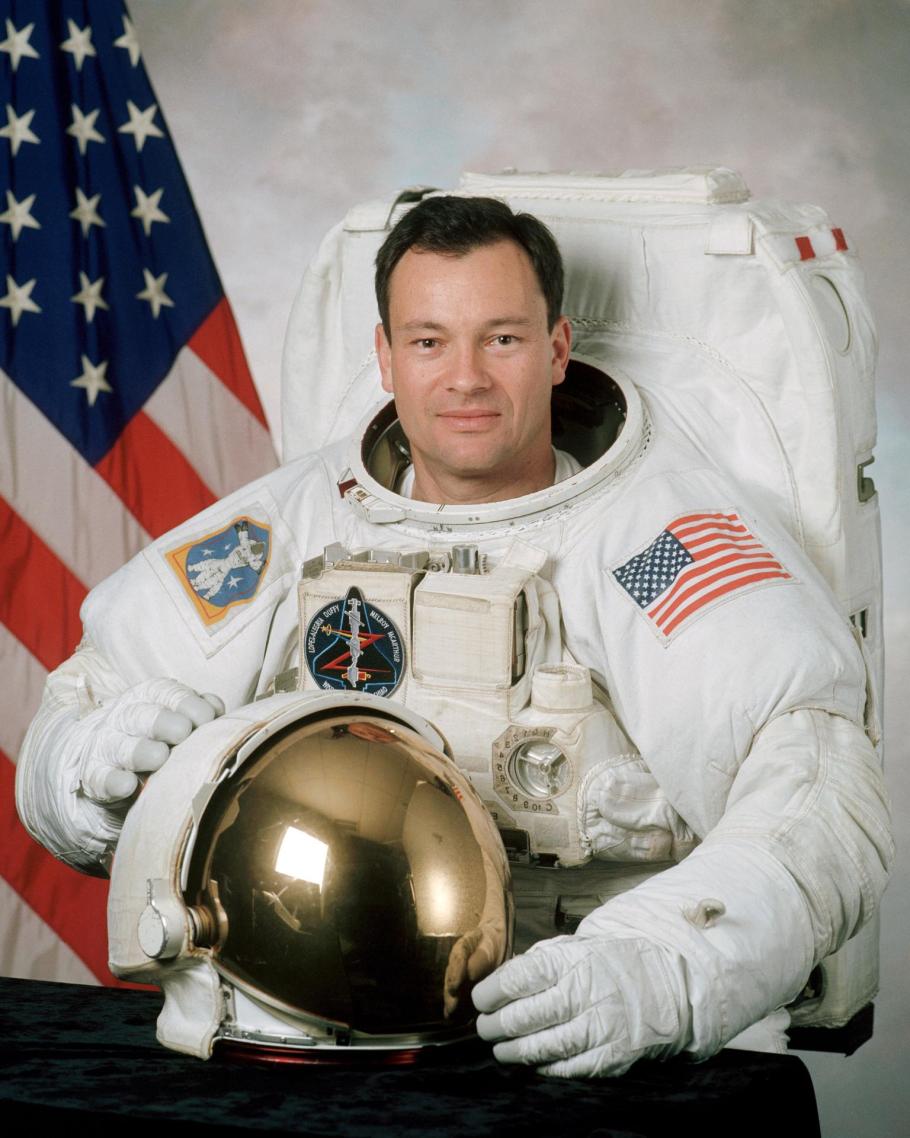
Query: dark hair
x,y
454,226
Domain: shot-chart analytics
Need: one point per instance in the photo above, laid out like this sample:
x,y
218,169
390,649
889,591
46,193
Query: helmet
x,y
341,886
600,419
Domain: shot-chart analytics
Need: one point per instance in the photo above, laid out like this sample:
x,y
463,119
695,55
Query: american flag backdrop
x,y
696,562
127,401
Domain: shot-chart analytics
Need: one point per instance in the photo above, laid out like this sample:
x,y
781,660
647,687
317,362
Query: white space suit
x,y
743,690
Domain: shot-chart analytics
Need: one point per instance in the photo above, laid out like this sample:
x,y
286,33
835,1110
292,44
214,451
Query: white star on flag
x,y
92,379
128,41
89,296
18,215
147,209
16,43
154,292
18,298
79,43
82,128
140,125
86,211
18,128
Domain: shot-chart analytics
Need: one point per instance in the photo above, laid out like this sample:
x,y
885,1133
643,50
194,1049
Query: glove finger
x,y
490,1028
173,695
542,966
563,1041
154,721
146,756
164,692
488,995
110,784
199,709
531,1014
216,702
111,776
171,727
144,720
602,1061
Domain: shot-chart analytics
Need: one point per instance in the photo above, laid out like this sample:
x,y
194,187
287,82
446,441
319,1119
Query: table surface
x,y
73,1054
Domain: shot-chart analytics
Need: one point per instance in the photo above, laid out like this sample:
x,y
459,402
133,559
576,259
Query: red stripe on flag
x,y
684,521
73,905
710,527
217,343
701,566
840,241
804,245
740,583
155,479
40,597
706,546
727,566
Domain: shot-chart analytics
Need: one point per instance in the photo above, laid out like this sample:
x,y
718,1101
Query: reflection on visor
x,y
302,856
355,879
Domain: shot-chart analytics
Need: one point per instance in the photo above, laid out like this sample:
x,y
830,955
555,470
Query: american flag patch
x,y
696,561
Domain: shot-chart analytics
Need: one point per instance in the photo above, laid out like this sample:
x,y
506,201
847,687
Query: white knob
x,y
561,687
161,933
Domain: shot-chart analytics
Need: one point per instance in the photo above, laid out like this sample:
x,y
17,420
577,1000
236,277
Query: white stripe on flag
x,y
188,403
18,701
32,950
49,484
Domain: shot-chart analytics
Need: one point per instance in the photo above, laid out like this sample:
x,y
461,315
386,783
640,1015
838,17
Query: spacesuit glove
x,y
132,735
581,1006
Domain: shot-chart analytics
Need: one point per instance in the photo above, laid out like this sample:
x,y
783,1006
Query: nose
x,y
468,372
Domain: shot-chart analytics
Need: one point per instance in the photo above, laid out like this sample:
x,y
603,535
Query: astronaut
x,y
723,655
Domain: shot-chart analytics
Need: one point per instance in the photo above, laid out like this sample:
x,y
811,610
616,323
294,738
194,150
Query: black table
x,y
81,1056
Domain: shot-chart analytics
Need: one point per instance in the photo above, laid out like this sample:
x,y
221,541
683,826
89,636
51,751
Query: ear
x,y
384,355
561,339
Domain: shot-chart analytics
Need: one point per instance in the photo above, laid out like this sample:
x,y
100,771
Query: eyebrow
x,y
434,326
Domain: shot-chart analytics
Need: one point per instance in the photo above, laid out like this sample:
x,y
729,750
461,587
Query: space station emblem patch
x,y
223,569
351,645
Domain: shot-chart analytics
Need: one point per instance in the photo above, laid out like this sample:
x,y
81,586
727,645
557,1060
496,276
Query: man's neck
x,y
461,489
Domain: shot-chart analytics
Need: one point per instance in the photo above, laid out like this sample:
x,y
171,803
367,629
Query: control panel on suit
x,y
476,650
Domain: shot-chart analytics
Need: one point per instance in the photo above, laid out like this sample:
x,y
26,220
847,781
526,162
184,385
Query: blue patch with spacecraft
x,y
226,568
351,645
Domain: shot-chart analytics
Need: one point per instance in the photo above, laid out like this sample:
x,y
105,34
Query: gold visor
x,y
353,879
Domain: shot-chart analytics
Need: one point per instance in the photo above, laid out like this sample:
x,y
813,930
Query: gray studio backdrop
x,y
287,112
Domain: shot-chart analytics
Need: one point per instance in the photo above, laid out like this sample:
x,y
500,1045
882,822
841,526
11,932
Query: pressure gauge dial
x,y
529,770
539,768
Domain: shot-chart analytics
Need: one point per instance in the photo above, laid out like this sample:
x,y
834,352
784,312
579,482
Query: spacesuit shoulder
x,y
710,622
211,583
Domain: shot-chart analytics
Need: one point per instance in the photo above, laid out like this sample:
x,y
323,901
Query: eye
x,y
426,342
505,340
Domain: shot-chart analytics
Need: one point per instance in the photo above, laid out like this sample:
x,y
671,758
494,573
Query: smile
x,y
468,420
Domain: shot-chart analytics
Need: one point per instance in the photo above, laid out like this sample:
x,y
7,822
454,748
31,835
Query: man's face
x,y
472,364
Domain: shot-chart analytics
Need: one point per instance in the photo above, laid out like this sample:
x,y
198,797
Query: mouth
x,y
468,419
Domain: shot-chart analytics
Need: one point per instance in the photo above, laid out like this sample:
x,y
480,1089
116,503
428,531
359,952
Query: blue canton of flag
x,y
697,561
651,573
108,267
127,401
